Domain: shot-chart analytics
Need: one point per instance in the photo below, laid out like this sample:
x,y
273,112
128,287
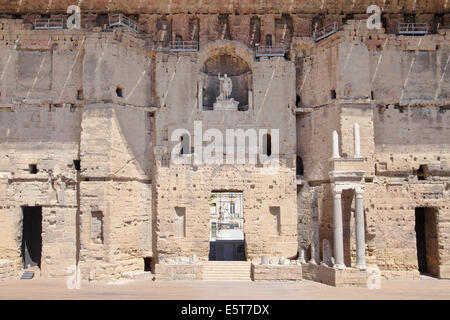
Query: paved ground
x,y
218,290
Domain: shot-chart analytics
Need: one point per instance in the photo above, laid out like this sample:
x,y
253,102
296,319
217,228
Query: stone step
x,y
212,273
226,268
226,279
227,265
237,273
27,275
226,271
227,262
226,276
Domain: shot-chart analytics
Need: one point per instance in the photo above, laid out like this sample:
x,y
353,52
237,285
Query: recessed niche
x,y
237,69
80,95
333,94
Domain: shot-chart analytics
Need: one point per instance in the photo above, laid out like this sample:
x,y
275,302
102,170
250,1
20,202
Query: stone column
x,y
357,141
335,145
250,99
200,95
338,230
360,232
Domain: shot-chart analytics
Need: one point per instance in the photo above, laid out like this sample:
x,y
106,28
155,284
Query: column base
x,y
361,267
340,266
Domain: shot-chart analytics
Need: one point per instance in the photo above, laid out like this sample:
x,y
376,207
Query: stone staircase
x,y
226,271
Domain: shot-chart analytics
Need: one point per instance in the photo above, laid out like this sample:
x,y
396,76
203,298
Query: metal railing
x,y
46,24
413,28
183,46
325,31
120,20
270,51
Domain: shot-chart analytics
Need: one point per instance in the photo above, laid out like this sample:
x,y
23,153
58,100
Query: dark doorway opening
x,y
32,237
227,250
427,241
147,264
299,166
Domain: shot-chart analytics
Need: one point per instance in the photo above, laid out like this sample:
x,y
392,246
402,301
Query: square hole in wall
x,y
119,92
423,172
77,164
32,168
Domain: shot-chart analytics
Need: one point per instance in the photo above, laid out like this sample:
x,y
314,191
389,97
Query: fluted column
x,y
360,231
338,230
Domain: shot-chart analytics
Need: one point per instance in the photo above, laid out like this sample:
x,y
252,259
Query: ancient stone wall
x,y
111,100
57,113
116,153
394,87
181,186
49,139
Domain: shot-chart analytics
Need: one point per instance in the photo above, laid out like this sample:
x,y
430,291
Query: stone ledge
x,y
276,272
349,277
178,271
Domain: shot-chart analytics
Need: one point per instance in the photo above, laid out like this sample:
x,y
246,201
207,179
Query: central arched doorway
x,y
227,242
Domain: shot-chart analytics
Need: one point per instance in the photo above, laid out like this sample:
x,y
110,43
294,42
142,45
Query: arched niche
x,y
236,68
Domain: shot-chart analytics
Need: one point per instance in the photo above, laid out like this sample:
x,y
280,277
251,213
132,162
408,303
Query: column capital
x,y
337,191
359,191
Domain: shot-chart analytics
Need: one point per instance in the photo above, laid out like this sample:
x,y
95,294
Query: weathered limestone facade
x,y
87,118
